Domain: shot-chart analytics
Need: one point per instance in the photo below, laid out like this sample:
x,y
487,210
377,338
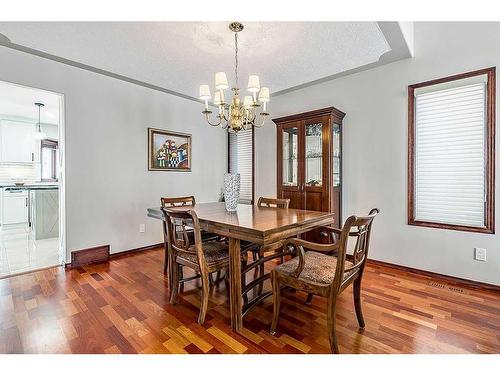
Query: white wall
x,y
375,147
108,186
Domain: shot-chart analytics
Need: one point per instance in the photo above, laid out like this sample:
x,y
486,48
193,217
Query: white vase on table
x,y
231,191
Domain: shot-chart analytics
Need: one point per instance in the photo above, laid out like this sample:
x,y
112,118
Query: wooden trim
x,y
330,111
489,219
88,256
137,249
111,256
452,279
454,77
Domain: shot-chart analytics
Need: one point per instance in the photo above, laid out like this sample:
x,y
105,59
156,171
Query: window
x,y
451,152
49,157
241,160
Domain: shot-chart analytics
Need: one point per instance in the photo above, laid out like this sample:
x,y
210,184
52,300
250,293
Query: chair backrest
x,y
174,202
177,201
360,228
179,224
273,202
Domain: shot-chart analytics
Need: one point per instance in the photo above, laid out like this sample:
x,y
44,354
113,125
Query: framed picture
x,y
168,151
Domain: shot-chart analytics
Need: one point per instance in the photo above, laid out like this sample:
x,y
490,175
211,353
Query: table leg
x,y
235,284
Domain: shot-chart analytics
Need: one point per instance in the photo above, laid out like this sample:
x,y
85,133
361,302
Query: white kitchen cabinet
x,y
14,207
18,143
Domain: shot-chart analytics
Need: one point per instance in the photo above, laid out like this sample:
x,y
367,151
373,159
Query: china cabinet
x,y
310,160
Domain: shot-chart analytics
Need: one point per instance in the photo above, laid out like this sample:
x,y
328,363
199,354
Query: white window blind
x,y
450,167
240,161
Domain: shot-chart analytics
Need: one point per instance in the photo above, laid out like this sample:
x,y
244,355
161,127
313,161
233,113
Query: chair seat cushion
x,y
215,251
319,269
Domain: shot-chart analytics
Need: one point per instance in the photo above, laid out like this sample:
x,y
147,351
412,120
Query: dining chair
x,y
187,202
204,257
269,203
258,253
273,202
317,272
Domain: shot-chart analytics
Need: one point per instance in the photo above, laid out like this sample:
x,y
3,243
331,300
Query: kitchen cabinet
x,y
17,142
14,206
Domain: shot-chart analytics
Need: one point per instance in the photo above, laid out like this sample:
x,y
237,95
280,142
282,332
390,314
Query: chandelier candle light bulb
x,y
237,114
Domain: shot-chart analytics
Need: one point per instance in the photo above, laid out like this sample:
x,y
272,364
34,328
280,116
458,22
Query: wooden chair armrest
x,y
324,248
298,245
332,231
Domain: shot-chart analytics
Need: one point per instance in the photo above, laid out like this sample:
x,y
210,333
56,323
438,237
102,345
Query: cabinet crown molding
x,y
337,114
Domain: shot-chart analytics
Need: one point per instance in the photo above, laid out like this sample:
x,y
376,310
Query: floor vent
x,y
446,287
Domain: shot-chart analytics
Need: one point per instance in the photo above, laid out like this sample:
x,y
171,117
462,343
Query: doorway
x,y
32,211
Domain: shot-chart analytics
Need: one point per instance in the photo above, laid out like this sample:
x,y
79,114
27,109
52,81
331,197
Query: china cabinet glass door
x,y
290,144
314,154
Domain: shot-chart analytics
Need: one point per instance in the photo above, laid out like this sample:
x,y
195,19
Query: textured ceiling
x,y
180,56
18,101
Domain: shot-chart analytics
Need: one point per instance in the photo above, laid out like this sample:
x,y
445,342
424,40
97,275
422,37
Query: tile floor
x,y
20,252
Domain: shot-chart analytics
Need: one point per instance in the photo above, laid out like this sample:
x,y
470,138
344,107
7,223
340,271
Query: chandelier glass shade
x,y
237,113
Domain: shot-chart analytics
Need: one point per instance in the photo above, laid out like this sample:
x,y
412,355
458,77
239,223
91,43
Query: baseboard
x,y
101,254
452,279
143,248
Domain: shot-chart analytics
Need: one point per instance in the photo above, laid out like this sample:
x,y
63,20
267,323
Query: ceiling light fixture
x,y
39,133
237,114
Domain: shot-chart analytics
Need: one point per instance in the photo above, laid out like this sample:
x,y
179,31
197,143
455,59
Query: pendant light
x,y
39,133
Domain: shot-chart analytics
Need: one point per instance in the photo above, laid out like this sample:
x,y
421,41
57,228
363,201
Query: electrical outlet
x,y
480,254
142,228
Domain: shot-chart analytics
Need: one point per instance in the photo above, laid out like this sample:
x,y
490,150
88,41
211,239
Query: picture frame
x,y
169,150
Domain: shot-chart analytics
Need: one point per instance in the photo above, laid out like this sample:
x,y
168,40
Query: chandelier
x,y
236,114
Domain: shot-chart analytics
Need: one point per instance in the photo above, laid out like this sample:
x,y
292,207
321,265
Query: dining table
x,y
261,225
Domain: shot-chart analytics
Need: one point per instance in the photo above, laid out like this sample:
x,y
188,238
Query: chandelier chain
x,y
236,58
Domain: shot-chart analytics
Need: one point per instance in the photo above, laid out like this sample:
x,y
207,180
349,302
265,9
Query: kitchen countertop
x,y
30,186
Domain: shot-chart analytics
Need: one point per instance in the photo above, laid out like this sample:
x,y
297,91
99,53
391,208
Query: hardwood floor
x,y
122,307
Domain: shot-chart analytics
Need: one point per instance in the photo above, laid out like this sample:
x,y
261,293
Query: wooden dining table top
x,y
256,221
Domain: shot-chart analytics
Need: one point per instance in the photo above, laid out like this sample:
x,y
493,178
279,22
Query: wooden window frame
x,y
489,213
253,161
